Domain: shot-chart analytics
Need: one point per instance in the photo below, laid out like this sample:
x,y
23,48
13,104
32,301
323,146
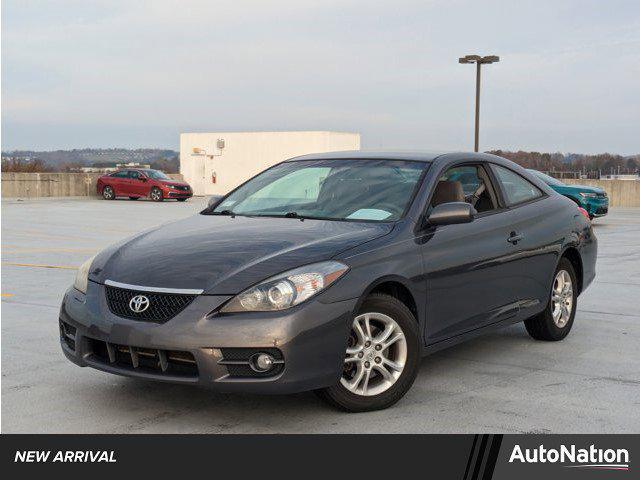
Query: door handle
x,y
514,238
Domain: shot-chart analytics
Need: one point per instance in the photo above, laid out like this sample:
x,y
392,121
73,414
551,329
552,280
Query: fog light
x,y
261,362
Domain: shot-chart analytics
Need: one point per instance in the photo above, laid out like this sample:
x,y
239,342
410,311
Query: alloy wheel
x,y
376,355
562,298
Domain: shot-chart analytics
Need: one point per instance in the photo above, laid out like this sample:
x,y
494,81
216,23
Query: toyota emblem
x,y
139,303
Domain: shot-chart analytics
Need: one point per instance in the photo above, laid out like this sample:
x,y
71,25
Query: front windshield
x,y
156,174
547,179
370,190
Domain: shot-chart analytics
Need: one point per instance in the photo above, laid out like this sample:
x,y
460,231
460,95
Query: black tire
x,y
133,198
108,193
156,194
340,397
542,326
181,199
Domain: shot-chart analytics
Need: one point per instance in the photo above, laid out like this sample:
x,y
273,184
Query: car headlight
x,y
82,277
287,289
588,195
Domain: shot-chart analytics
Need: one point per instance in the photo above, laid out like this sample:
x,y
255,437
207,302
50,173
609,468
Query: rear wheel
x,y
382,357
555,322
108,193
156,194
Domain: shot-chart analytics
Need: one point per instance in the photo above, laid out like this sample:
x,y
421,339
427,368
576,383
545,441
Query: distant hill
x,y
89,156
62,160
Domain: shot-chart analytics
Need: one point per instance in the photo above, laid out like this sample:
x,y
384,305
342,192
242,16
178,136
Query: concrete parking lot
x,y
503,382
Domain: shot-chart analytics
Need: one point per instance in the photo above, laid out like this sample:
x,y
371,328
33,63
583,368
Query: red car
x,y
136,183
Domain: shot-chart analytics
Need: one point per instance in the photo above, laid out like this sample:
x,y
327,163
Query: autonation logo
x,y
590,458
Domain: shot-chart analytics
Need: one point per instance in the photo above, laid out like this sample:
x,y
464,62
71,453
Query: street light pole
x,y
478,60
477,135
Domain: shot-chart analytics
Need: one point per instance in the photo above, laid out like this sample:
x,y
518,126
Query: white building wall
x,y
248,153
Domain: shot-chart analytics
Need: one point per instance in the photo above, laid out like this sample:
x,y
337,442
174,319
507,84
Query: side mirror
x,y
143,179
451,212
213,199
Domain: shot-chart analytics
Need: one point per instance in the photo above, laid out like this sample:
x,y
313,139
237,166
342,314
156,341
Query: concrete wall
x,y
30,185
622,193
248,153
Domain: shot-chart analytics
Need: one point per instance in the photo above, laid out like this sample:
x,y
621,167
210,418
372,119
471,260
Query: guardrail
x,y
34,185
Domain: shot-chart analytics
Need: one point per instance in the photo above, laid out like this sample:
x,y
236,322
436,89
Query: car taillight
x,y
584,213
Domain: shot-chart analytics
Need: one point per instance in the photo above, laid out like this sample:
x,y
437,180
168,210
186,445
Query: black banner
x,y
462,457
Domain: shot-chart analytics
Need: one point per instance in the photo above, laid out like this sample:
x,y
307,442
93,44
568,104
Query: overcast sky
x,y
137,73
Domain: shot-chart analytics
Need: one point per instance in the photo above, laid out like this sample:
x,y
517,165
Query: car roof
x,y
419,156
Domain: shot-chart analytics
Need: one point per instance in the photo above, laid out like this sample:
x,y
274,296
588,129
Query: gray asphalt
x,y
503,382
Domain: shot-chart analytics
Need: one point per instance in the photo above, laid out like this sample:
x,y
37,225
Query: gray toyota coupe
x,y
336,273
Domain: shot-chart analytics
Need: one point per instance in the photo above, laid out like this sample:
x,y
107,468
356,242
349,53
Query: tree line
x,y
38,165
602,163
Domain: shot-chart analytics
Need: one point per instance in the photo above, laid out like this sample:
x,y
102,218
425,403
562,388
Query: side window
x,y
516,189
466,183
467,175
134,175
121,174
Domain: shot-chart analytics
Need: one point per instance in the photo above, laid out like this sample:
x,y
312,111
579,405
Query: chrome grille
x,y
162,306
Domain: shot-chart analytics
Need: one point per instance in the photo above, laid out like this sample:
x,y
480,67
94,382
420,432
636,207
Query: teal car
x,y
593,199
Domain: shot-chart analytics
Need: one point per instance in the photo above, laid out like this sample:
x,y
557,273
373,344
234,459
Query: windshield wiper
x,y
280,215
223,212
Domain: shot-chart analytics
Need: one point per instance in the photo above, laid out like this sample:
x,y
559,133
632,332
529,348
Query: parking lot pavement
x,y
503,382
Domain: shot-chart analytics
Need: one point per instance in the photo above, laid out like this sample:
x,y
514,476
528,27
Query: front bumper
x,y
597,207
169,193
312,339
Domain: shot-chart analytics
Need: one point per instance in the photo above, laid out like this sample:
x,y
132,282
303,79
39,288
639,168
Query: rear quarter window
x,y
516,188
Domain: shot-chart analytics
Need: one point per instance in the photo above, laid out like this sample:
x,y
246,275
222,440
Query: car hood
x,y
176,183
224,255
578,188
587,188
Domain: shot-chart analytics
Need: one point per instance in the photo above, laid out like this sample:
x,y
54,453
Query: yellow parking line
x,y
6,295
64,267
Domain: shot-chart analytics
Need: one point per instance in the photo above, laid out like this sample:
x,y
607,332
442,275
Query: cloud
x,y
139,73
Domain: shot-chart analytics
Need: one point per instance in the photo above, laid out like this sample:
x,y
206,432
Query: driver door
x,y
467,281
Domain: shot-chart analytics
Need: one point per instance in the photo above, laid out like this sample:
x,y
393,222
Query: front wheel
x,y
555,322
108,193
381,359
156,194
